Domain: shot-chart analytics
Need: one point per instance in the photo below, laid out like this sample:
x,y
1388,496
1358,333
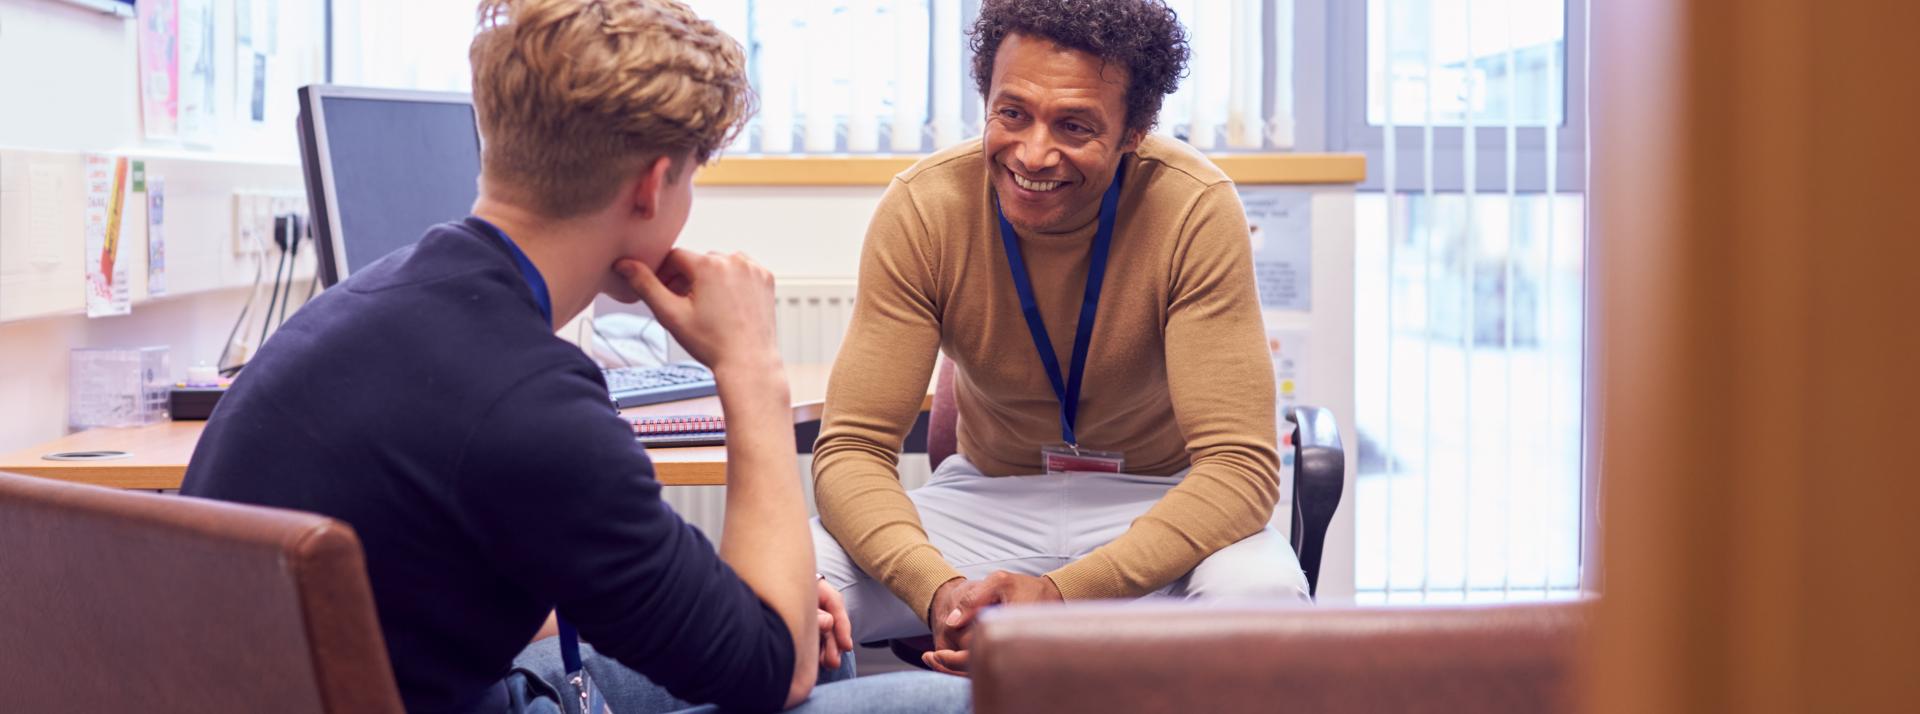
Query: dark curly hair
x,y
1143,36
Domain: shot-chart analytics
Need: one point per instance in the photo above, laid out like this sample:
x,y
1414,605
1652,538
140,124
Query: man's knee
x,y
1261,566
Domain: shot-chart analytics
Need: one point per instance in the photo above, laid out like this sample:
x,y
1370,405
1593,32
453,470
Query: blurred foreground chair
x,y
1191,657
121,601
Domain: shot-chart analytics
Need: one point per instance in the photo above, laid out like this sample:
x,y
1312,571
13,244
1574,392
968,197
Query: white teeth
x,y
1034,185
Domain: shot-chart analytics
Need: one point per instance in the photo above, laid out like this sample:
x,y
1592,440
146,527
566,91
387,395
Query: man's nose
x,y
1035,151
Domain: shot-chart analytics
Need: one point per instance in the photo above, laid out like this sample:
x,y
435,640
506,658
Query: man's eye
x,y
1010,113
1077,128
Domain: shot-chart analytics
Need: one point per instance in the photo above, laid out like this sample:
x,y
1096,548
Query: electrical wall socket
x,y
253,212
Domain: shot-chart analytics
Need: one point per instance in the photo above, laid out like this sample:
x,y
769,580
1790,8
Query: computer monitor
x,y
381,167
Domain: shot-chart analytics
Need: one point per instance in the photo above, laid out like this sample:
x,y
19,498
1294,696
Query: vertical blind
x,y
872,76
1468,352
893,76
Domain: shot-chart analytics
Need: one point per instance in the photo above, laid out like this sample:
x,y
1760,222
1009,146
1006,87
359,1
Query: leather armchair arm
x,y
1188,658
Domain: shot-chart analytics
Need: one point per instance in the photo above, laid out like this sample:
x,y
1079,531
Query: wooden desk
x,y
157,454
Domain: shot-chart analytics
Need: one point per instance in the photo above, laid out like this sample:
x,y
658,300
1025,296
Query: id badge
x,y
1061,458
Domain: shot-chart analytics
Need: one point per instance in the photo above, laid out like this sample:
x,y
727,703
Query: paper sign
x,y
156,237
106,184
160,68
197,89
1288,348
1281,227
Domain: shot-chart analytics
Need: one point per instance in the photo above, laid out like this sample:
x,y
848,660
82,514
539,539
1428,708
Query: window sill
x,y
843,170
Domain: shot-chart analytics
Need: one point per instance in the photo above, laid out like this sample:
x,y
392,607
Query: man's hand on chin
x,y
962,600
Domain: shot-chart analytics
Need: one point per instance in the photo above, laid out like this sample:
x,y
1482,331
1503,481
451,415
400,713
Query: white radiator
x,y
811,316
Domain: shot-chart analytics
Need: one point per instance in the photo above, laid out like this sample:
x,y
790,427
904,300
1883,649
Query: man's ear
x,y
1134,137
653,181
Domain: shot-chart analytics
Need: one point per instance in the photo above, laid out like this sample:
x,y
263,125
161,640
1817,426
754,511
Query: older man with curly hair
x,y
1093,286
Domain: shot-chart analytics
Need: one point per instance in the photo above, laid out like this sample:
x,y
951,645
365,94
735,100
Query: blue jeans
x,y
629,692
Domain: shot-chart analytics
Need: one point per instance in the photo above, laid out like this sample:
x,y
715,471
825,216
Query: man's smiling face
x,y
1055,132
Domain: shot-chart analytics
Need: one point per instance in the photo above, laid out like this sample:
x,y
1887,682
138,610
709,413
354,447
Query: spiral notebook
x,y
669,431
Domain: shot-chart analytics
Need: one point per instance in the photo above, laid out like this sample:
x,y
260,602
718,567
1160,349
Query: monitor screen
x,y
395,167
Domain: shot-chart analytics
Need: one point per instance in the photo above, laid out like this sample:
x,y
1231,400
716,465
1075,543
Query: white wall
x,y
68,85
809,232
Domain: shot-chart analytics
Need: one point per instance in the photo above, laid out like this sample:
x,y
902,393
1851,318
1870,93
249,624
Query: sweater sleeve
x,y
560,495
879,381
1221,383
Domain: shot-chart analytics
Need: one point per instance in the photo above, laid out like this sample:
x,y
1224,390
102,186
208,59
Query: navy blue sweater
x,y
427,403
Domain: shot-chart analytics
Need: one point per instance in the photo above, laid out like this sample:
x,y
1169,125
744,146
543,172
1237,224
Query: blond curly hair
x,y
575,96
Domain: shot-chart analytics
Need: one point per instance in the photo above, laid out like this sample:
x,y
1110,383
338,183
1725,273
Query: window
x,y
1469,293
1506,53
1467,391
867,76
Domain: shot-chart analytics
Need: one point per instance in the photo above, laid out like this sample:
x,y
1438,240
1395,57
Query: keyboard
x,y
640,386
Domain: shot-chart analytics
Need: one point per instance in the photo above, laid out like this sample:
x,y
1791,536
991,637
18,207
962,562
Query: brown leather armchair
x,y
122,601
1191,658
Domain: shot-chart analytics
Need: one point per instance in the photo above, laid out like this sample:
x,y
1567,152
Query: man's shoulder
x,y
944,191
1171,164
960,163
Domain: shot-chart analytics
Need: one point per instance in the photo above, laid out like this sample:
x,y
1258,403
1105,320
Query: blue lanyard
x,y
528,272
569,637
1066,390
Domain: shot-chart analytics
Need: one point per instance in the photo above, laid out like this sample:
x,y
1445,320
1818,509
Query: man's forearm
x,y
765,538
868,512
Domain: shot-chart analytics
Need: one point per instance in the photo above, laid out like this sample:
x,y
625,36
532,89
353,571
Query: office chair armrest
x,y
1184,657
1319,479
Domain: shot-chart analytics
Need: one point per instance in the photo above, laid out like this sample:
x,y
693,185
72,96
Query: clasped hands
x,y
957,605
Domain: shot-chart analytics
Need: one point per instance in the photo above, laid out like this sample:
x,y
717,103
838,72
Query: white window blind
x,y
416,44
871,76
1232,98
1468,352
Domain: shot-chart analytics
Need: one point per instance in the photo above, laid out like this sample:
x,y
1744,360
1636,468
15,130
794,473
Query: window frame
x,y
1347,129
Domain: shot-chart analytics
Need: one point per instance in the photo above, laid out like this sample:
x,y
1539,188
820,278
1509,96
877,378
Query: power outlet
x,y
253,213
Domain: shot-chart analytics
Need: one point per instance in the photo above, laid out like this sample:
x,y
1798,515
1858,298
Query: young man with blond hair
x,y
427,402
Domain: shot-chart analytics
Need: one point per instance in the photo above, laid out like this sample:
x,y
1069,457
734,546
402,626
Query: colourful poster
x,y
106,181
160,68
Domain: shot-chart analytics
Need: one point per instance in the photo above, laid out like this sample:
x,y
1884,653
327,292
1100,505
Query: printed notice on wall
x,y
1282,231
1288,348
156,236
198,117
106,181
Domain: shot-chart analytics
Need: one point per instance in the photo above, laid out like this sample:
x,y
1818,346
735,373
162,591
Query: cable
x,y
292,247
273,299
611,347
259,272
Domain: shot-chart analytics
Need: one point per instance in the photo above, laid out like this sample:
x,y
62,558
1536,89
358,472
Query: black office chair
x,y
1320,467
1319,479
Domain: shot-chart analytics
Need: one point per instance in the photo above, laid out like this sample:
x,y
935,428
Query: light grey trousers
x,y
1034,524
